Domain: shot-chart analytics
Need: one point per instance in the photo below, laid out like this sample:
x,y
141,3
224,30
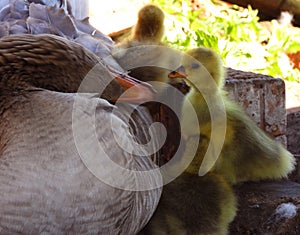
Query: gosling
x,y
248,153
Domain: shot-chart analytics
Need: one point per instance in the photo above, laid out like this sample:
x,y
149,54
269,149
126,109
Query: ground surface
x,y
257,209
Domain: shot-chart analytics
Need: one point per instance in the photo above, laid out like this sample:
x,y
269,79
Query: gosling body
x,y
194,205
248,152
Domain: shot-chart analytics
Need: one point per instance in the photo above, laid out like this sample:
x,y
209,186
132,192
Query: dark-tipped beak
x,y
178,73
135,90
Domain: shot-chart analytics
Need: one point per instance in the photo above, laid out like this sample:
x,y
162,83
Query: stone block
x,y
263,98
293,139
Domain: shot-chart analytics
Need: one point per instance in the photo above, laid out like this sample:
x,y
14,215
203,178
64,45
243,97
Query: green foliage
x,y
235,33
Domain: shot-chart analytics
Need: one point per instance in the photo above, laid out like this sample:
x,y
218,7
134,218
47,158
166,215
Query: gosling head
x,y
150,25
203,68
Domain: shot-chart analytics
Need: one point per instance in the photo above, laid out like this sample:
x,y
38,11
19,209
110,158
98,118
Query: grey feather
x,y
4,29
85,27
56,17
36,26
4,12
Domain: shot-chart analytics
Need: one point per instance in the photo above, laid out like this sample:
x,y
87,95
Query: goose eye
x,y
195,65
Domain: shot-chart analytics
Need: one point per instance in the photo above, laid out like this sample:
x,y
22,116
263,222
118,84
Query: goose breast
x,y
47,186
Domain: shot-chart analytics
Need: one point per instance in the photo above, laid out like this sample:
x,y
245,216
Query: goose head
x,y
54,63
201,67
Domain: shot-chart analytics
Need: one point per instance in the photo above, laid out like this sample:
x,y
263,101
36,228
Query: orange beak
x,y
135,90
178,73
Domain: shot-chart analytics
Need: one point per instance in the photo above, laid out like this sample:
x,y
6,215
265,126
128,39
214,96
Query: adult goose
x,y
63,166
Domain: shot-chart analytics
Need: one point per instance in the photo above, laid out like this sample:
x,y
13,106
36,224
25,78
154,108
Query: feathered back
x,y
53,17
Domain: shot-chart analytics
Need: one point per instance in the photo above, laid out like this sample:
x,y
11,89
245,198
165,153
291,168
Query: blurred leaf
x,y
293,47
206,40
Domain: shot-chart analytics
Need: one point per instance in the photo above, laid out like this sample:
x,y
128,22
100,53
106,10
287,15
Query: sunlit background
x,y
114,15
244,41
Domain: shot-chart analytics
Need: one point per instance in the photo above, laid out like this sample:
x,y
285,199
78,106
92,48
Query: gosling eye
x,y
195,65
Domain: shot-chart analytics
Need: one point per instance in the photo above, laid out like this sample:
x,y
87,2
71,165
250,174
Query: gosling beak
x,y
178,73
135,90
